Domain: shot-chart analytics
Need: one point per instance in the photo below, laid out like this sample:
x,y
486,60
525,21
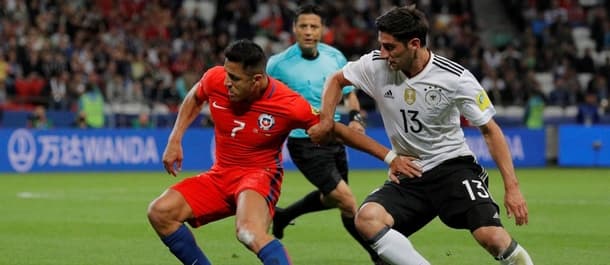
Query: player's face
x,y
399,55
239,83
308,32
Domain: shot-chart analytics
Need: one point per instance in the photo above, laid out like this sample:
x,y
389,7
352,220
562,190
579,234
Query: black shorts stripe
x,y
483,176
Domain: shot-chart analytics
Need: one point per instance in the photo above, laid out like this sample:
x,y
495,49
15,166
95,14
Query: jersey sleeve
x,y
472,100
305,115
204,84
359,72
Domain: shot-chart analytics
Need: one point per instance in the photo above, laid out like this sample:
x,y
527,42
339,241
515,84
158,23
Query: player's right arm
x,y
333,92
189,110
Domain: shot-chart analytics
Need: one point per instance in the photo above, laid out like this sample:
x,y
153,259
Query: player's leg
x,y
167,214
254,214
313,161
387,217
502,246
343,198
472,207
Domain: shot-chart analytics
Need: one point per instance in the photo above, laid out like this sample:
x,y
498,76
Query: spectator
x,y
142,121
534,110
588,112
495,86
58,87
38,119
80,122
138,38
91,105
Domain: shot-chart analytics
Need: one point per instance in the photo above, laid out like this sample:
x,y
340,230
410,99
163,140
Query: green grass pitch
x,y
100,219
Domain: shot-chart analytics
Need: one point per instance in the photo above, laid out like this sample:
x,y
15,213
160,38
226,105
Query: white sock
x,y
518,257
395,248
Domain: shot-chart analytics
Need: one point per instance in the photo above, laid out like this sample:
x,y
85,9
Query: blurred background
x,y
109,64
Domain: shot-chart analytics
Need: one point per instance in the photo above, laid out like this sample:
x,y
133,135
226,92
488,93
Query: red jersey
x,y
252,134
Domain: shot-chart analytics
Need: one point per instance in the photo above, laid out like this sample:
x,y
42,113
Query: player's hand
x,y
404,167
356,125
172,158
515,205
321,132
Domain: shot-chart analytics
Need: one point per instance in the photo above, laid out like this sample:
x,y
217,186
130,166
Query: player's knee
x,y
369,220
246,236
164,209
494,239
158,211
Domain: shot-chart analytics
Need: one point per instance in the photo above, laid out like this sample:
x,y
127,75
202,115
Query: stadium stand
x,y
144,55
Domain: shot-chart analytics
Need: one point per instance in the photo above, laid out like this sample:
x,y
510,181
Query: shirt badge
x,y
266,121
483,100
315,111
410,95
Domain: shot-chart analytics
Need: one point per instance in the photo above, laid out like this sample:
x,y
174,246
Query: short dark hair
x,y
404,23
249,54
310,8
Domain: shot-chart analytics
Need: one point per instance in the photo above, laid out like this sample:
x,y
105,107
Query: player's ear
x,y
257,77
414,43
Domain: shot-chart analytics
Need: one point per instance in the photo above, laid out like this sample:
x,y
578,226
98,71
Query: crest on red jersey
x,y
265,121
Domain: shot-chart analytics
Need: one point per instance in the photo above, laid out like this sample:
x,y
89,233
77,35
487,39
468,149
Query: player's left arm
x,y
475,105
513,198
399,165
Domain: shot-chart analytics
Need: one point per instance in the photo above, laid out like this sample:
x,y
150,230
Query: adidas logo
x,y
496,215
388,94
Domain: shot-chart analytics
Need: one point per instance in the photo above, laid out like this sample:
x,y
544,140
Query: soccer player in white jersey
x,y
420,96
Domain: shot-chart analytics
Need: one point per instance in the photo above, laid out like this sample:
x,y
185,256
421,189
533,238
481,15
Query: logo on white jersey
x,y
388,94
266,121
410,95
433,97
215,105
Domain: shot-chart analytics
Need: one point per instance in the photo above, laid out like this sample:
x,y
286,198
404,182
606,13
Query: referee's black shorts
x,y
456,191
323,165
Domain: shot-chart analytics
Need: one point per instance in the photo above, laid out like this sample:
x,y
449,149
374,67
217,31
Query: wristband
x,y
389,157
354,115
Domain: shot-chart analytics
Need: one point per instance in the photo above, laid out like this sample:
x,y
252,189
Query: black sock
x,y
310,203
348,223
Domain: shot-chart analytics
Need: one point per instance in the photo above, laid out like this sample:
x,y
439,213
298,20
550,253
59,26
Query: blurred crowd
x,y
62,54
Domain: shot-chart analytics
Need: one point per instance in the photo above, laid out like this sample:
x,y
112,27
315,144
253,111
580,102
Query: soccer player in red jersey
x,y
253,115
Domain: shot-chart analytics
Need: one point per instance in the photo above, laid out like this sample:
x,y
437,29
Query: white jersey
x,y
422,114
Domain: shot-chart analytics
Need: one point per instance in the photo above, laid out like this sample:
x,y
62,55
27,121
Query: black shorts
x,y
455,191
323,165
